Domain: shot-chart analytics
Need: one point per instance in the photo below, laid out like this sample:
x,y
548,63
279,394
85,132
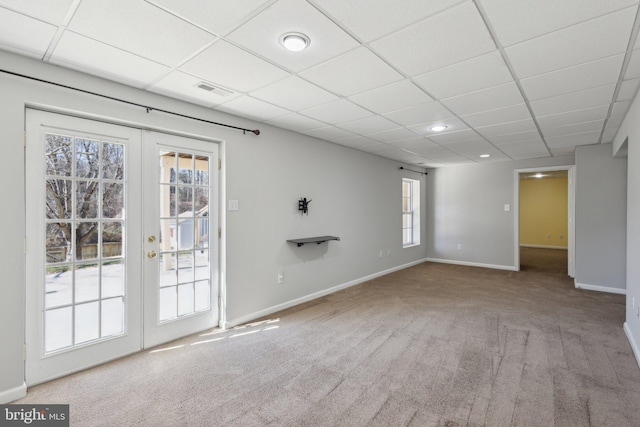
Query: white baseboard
x,y
632,342
544,247
473,264
8,396
278,307
600,288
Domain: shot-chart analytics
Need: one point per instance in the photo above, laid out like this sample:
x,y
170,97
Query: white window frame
x,y
413,198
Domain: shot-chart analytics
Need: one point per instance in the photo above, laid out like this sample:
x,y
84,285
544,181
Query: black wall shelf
x,y
318,240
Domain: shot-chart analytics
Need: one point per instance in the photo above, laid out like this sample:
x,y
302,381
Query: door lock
x,y
151,238
152,254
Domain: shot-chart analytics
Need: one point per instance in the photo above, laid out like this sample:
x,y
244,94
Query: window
x,y
410,212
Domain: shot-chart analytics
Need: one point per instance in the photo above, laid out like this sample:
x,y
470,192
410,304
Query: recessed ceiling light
x,y
484,156
294,42
438,128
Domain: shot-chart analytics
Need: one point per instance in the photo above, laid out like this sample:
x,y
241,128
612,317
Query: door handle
x,y
152,254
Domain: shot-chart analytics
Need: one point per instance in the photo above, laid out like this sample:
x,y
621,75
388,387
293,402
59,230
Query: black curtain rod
x,y
411,170
146,107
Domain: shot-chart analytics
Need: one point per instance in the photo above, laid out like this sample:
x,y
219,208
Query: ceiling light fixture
x,y
438,128
539,175
294,42
484,156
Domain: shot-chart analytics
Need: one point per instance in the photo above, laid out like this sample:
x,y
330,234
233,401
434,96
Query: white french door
x,y
100,284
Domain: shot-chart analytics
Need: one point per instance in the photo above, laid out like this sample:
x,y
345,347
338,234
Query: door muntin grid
x,y
84,227
184,264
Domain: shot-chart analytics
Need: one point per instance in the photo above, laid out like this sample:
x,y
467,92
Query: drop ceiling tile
x,y
563,150
473,149
378,148
404,156
143,30
216,16
368,125
552,132
296,122
518,20
521,151
262,35
453,124
392,97
573,140
575,45
613,123
457,136
609,135
329,133
353,72
21,34
474,74
245,106
339,111
633,68
498,116
620,108
183,86
51,11
518,137
591,97
229,66
507,128
484,100
418,114
294,93
87,55
580,77
452,36
391,136
418,145
370,20
360,142
577,116
628,89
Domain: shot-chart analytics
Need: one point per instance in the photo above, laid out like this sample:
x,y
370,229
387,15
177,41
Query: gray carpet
x,y
434,344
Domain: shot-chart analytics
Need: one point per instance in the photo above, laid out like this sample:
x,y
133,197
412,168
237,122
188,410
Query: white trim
x,y
545,247
7,396
634,345
473,264
600,288
275,308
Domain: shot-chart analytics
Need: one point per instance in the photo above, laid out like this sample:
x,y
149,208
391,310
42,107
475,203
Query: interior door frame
x,y
571,215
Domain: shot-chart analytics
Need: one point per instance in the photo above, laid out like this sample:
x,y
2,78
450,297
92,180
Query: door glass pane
x,y
202,296
90,198
185,267
168,270
185,299
168,303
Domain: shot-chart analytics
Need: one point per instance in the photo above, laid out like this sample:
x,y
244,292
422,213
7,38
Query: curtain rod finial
x,y
256,131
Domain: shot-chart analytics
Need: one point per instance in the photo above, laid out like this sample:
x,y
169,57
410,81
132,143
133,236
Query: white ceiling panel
x,y
184,86
551,132
484,100
473,149
361,142
24,35
577,116
592,97
368,125
84,54
370,20
620,108
418,114
519,151
518,20
296,122
575,45
452,124
572,79
467,76
391,136
216,16
628,89
418,145
633,68
143,30
253,108
457,136
330,133
507,128
497,116
262,35
294,93
51,11
510,138
231,67
393,97
339,111
584,138
452,36
353,72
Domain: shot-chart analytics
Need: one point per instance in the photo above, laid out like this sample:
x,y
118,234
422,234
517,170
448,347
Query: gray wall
x,y
465,205
630,129
601,218
356,196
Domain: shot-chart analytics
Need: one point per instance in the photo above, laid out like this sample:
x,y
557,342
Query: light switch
x,y
233,205
507,207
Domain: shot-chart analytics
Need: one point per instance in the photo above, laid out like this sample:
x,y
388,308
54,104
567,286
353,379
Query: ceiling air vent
x,y
214,89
